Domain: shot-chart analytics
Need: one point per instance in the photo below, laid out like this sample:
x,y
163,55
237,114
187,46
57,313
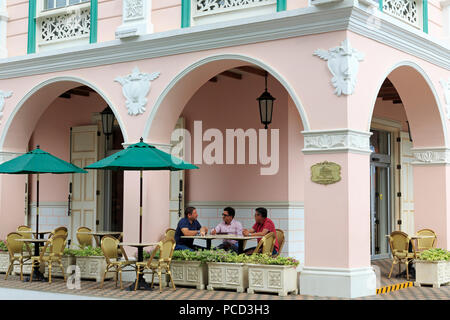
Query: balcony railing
x,y
409,11
207,11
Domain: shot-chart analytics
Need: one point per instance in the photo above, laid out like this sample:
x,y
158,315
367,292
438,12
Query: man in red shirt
x,y
262,227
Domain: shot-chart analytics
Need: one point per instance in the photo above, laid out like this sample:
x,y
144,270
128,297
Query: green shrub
x,y
231,257
435,254
3,247
85,252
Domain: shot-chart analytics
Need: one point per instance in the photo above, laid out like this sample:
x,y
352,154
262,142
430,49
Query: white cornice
x,y
431,156
333,141
280,25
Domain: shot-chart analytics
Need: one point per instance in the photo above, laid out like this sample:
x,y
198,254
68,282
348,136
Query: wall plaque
x,y
326,172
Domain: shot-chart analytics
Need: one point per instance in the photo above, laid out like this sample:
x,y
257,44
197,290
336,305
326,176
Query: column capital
x,y
431,156
336,141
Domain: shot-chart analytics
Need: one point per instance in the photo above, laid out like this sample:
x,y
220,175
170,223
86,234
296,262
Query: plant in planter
x,y
4,257
91,262
267,274
433,267
227,270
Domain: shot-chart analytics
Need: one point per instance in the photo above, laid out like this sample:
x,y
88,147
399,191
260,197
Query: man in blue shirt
x,y
188,226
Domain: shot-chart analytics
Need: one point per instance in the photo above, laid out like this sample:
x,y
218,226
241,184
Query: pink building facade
x,y
357,83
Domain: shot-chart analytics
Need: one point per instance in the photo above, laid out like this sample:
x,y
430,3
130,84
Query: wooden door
x,y
406,184
84,148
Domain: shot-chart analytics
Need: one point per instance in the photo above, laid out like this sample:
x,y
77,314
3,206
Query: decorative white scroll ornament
x,y
446,86
3,95
343,63
135,88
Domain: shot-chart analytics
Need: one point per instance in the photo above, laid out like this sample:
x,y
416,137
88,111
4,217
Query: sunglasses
x,y
225,215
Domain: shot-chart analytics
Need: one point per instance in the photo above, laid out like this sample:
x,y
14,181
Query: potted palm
x,y
267,274
433,267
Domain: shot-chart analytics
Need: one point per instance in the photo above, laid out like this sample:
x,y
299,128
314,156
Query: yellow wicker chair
x,y
266,244
170,233
110,247
280,238
399,243
15,250
165,248
60,231
84,239
25,235
426,243
56,246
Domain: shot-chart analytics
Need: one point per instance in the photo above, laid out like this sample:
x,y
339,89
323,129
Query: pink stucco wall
x,y
227,105
52,133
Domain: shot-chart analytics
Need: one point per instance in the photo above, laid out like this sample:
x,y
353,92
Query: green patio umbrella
x,y
141,157
38,161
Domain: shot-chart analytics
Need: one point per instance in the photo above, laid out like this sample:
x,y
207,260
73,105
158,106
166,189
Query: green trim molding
x,y
185,13
425,15
31,44
94,21
281,5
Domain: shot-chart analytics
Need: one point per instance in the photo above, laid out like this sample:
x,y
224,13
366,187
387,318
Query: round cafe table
x,y
142,285
37,275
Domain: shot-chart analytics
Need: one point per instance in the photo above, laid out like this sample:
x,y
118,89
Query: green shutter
x,y
31,45
281,5
425,15
185,13
94,14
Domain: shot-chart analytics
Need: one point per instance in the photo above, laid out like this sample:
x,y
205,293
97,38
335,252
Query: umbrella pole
x,y
37,207
140,209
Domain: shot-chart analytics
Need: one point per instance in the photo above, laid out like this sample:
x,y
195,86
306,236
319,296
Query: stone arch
x,y
189,80
417,92
20,123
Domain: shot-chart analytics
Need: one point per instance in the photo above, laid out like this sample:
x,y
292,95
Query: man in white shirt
x,y
228,226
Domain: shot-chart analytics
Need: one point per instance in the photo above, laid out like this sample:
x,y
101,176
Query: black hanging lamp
x,y
107,121
265,101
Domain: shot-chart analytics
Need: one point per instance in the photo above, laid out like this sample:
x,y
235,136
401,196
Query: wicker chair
x,y
60,231
83,238
110,247
266,244
399,243
25,235
56,245
280,238
170,233
15,250
426,243
165,248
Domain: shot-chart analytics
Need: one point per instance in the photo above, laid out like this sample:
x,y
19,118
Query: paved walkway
x,y
91,290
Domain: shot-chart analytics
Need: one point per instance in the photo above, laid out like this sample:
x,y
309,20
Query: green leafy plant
x,y
86,251
435,254
231,257
3,247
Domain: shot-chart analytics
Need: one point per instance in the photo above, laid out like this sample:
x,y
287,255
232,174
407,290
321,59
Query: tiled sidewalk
x,y
91,288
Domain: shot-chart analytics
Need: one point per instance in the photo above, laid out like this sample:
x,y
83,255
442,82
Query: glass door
x,y
380,181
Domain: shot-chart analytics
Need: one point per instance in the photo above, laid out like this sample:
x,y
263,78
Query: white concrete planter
x,y
93,267
227,276
435,273
184,273
148,279
4,261
56,271
272,278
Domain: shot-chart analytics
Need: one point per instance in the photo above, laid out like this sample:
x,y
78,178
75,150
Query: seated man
x,y
228,226
188,226
262,227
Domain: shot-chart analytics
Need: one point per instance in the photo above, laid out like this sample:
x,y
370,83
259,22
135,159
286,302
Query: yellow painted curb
x,y
394,287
